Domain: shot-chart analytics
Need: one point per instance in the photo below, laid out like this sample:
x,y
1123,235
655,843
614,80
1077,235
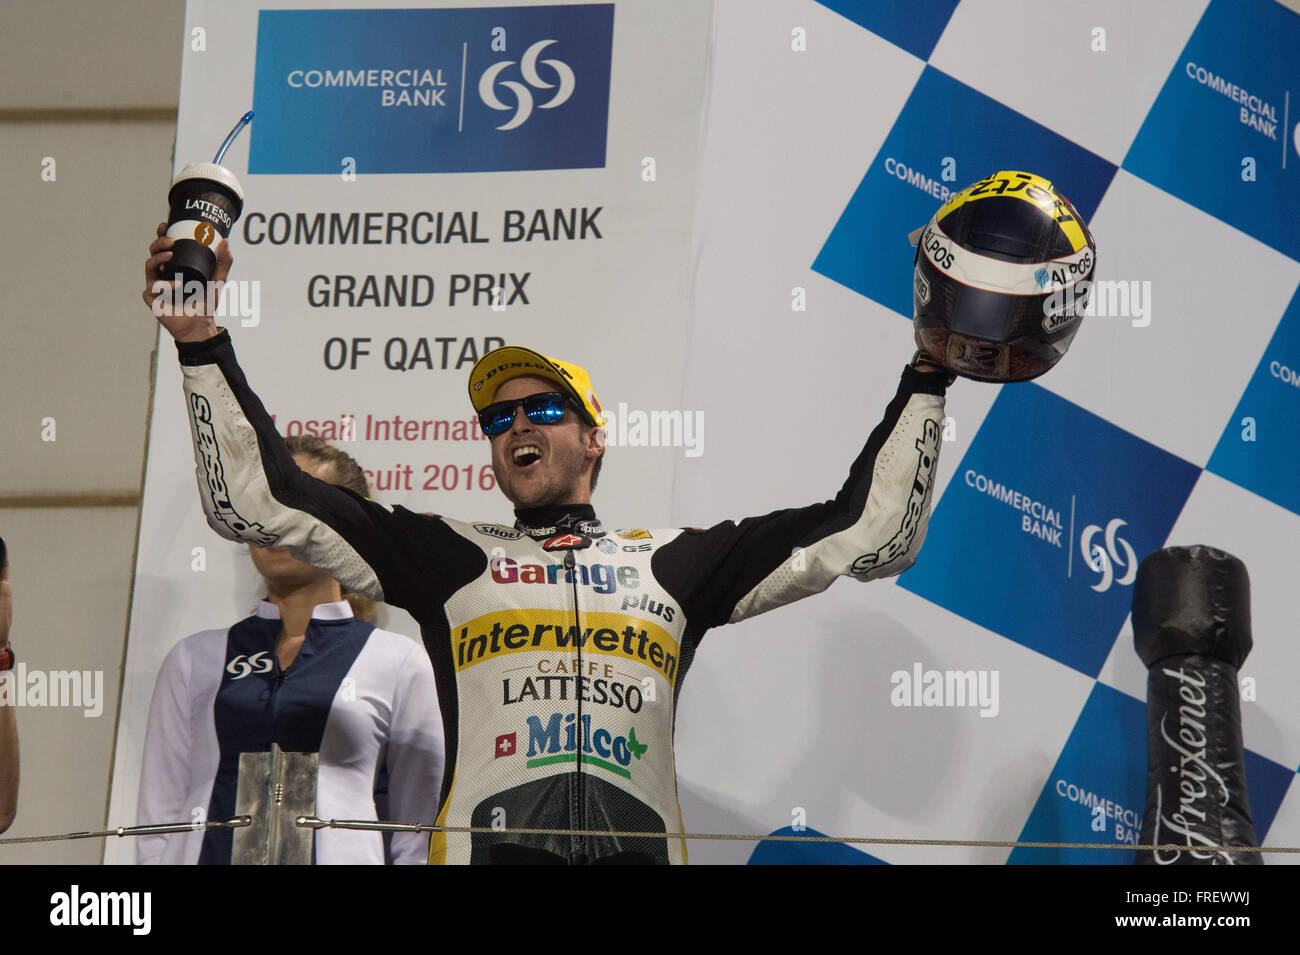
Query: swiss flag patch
x,y
505,746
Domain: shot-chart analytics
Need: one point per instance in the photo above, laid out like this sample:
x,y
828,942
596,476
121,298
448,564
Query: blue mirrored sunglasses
x,y
545,408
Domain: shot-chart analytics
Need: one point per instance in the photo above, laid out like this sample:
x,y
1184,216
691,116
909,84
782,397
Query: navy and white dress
x,y
365,699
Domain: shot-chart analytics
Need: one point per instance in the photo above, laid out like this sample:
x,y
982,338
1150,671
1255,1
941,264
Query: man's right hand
x,y
167,301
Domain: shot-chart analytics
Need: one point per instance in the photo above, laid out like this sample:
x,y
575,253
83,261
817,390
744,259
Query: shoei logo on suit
x,y
1104,561
523,106
241,666
497,530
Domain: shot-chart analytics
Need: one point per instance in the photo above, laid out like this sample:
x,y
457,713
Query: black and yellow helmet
x,y
996,286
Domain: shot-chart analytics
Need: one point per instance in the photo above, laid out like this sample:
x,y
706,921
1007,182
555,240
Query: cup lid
x,y
210,170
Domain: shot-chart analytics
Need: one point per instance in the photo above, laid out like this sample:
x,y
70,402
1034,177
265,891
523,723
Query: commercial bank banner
x,y
416,91
424,183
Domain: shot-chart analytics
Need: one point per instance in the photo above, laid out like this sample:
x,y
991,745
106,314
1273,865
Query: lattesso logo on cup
x,y
523,106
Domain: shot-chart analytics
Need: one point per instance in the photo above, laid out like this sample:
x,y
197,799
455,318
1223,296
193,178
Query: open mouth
x,y
526,454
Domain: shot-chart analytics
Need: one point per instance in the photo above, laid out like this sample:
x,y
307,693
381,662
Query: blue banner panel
x,y
1266,785
915,26
1222,133
1103,764
420,91
809,853
1260,449
947,137
1040,532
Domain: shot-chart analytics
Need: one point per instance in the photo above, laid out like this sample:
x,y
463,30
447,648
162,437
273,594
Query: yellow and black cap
x,y
497,367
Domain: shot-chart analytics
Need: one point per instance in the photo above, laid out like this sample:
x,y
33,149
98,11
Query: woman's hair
x,y
340,469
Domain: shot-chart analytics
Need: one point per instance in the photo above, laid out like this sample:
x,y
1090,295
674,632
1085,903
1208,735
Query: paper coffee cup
x,y
206,201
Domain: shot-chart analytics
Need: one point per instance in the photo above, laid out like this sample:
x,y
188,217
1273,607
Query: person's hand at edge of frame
x,y
186,320
6,597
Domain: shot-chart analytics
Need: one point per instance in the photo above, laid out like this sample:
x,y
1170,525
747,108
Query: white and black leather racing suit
x,y
559,648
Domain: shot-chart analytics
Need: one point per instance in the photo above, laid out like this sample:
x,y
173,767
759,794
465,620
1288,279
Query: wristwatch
x,y
7,659
924,358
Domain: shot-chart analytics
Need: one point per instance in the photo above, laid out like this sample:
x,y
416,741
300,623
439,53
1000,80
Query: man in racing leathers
x,y
559,648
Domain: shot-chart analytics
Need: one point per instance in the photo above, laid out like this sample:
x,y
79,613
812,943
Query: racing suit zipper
x,y
577,808
278,676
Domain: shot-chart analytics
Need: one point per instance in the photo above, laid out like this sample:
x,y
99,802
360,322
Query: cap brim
x,y
514,361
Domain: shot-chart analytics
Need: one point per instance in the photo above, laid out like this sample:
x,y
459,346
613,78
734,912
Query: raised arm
x,y
253,491
872,528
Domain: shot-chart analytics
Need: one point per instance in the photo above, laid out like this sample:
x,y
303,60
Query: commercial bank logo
x,y
1039,535
419,91
1231,94
1117,552
523,105
923,163
242,665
